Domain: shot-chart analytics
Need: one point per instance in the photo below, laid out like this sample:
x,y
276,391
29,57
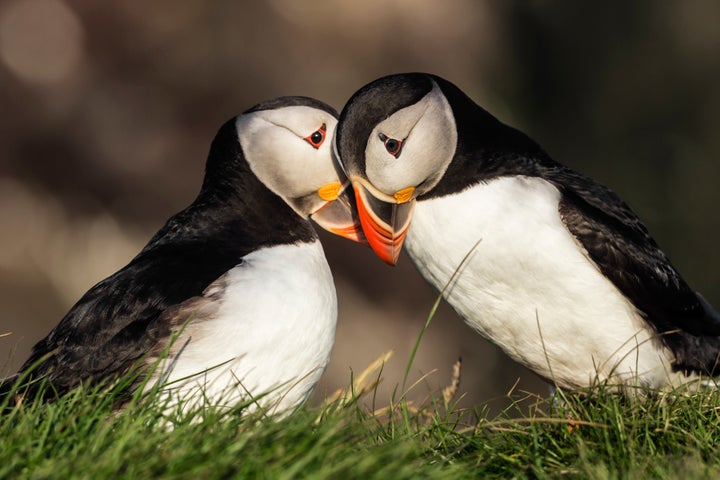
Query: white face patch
x,y
429,138
275,146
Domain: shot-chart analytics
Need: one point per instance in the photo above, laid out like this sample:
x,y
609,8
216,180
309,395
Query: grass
x,y
591,434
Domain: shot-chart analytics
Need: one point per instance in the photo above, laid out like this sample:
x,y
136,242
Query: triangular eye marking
x,y
317,137
392,145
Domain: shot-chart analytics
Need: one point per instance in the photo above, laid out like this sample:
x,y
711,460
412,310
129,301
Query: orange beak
x,y
385,224
338,215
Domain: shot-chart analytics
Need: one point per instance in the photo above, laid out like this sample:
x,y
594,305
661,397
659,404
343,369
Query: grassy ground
x,y
581,436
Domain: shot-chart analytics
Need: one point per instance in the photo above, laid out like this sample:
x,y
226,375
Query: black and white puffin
x,y
239,277
551,266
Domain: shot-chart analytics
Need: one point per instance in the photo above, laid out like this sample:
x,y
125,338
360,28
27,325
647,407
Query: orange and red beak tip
x,y
337,215
384,237
352,232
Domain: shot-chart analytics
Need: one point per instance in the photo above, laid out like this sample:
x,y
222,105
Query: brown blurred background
x,y
108,110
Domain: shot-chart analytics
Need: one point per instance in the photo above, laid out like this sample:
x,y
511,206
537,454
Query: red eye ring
x,y
317,137
392,145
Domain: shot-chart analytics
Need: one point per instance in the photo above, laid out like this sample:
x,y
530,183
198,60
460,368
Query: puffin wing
x,y
619,244
127,315
102,334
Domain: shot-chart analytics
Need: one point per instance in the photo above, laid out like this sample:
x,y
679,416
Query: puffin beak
x,y
338,214
385,223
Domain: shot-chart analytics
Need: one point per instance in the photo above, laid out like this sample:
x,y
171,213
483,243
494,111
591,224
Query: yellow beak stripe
x,y
330,191
404,195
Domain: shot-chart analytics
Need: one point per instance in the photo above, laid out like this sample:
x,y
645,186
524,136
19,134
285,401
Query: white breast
x,y
271,335
530,288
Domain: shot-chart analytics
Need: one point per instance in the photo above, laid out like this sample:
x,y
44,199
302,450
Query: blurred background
x,y
107,110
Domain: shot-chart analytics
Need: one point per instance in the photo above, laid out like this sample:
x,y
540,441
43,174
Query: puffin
x,y
232,301
546,263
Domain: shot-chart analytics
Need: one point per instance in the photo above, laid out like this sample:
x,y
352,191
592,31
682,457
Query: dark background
x,y
107,110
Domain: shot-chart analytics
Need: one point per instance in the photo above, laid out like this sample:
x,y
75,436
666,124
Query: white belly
x,y
270,338
529,287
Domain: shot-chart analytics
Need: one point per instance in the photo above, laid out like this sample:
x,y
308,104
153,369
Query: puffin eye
x,y
392,145
317,137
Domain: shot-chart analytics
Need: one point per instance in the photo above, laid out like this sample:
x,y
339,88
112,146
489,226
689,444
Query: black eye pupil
x,y
392,145
316,137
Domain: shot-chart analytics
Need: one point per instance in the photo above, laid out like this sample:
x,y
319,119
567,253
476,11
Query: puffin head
x,y
395,140
287,144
